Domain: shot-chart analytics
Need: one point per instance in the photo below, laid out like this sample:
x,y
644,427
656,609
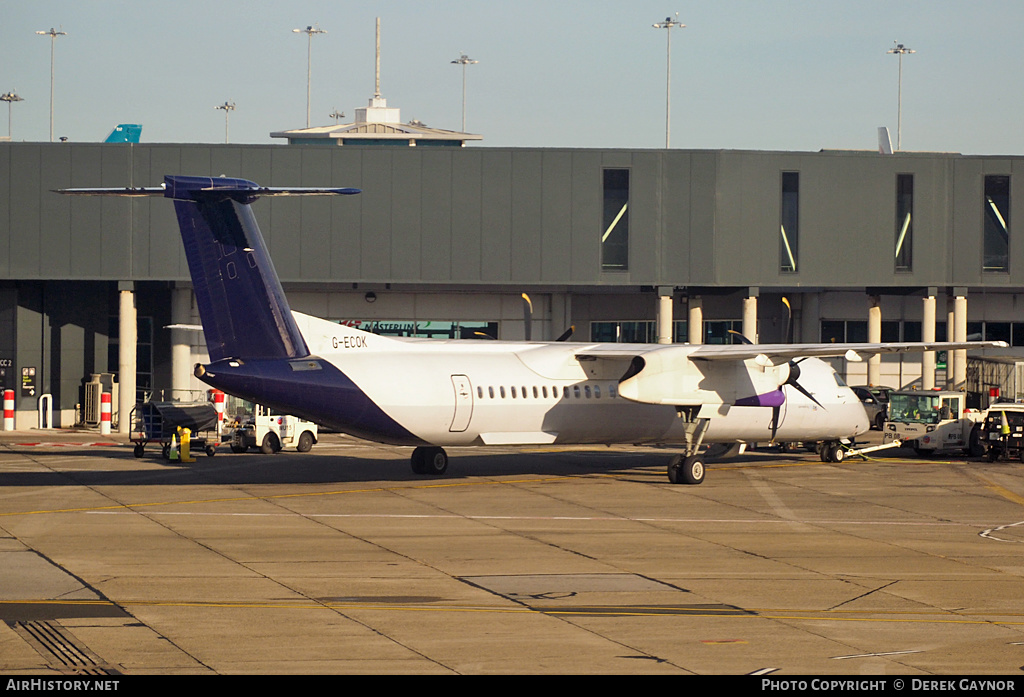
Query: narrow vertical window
x,y
904,222
789,223
615,230
997,224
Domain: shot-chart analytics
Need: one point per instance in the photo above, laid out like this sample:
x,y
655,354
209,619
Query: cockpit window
x,y
839,380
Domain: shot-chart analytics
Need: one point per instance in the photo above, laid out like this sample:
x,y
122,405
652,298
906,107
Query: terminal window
x,y
997,224
904,222
789,223
615,229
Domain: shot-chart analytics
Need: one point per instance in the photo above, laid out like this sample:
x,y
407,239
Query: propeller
x,y
743,339
792,380
567,334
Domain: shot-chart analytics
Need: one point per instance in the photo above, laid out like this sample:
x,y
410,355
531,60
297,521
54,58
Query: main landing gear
x,y
429,460
688,468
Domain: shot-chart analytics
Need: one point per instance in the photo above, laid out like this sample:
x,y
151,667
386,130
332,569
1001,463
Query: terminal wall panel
x,y
55,215
312,231
5,211
26,195
162,256
467,191
346,212
86,214
556,209
116,233
677,203
397,243
436,215
646,227
527,185
968,215
702,220
744,241
388,195
496,227
586,217
282,232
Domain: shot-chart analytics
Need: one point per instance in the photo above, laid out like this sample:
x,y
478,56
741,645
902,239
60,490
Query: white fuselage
x,y
489,392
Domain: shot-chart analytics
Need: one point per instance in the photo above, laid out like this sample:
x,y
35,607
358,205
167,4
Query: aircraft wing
x,y
776,353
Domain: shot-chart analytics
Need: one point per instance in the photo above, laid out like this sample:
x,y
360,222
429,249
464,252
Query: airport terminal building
x,y
622,245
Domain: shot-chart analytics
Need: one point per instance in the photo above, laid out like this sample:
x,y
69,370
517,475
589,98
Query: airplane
x,y
429,393
125,133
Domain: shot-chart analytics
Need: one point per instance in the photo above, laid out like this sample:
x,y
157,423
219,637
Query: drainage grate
x,y
61,649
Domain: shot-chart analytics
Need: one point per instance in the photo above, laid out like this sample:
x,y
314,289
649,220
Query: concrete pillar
x,y
127,362
960,334
874,337
695,321
928,336
181,343
949,337
750,315
665,297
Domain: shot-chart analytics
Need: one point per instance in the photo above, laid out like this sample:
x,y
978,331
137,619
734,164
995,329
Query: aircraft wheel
x,y
305,443
689,470
418,461
824,451
140,450
435,461
836,453
270,444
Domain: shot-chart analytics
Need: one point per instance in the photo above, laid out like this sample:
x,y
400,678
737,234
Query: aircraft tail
x,y
125,133
241,303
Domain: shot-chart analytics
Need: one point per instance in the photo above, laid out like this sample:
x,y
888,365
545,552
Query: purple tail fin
x,y
241,303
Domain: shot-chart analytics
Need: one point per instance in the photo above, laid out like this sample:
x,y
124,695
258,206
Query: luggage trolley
x,y
159,421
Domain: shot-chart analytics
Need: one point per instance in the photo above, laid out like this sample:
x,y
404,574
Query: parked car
x,y
876,403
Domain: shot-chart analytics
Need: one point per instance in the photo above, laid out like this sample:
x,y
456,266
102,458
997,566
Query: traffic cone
x,y
173,452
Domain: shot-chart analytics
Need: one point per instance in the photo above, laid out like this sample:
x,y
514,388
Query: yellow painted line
x,y
1002,491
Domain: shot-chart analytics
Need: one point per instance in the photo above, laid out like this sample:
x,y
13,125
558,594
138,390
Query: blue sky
x,y
746,74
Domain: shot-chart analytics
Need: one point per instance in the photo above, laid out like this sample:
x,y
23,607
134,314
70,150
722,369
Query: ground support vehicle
x,y
930,421
159,422
1002,431
272,432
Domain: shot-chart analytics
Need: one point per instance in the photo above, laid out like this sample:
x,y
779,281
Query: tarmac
x,y
517,561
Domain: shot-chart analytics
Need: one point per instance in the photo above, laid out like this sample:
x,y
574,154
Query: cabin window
x,y
576,391
535,392
565,392
586,391
501,391
544,391
490,391
513,391
611,392
479,392
597,392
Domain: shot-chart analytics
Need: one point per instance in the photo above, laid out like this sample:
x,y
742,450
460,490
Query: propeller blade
x,y
794,376
567,334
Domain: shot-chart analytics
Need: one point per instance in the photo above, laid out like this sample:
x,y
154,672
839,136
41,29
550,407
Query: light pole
x,y
10,98
228,107
53,34
464,60
669,24
336,115
899,50
309,32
